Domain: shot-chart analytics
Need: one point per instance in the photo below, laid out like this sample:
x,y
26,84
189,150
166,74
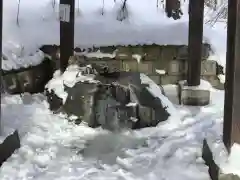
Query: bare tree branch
x,y
18,11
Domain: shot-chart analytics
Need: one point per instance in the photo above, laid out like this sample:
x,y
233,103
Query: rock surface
x,y
113,100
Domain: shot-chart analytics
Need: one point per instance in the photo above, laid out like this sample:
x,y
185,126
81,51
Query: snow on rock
x,y
146,24
97,54
157,92
70,77
14,57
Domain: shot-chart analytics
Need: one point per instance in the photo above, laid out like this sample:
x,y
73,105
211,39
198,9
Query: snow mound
x,y
14,57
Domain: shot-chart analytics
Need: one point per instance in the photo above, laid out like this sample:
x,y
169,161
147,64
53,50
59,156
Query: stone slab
x,y
194,96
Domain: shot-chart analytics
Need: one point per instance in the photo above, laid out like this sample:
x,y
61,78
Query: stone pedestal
x,y
193,96
228,177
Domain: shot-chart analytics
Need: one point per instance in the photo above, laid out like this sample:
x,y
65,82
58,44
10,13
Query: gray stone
x,y
117,102
228,177
209,68
31,79
193,96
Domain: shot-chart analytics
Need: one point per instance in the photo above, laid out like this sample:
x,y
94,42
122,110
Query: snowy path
x,y
53,149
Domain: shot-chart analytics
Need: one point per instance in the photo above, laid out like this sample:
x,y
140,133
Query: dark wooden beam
x,y
1,27
231,129
195,37
66,12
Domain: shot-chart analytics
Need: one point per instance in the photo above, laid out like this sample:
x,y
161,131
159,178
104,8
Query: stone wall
x,y
163,64
31,79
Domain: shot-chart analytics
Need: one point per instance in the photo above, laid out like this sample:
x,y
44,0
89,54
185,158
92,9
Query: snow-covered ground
x,y
52,148
37,24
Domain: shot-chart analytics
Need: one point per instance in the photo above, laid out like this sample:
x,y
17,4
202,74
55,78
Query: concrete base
x,y
228,177
193,96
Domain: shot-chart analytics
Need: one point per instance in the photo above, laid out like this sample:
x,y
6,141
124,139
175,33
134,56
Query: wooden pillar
x,y
66,13
231,129
1,27
195,36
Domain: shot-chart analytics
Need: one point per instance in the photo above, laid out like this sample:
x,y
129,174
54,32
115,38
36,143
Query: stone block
x,y
26,80
145,113
137,50
175,67
152,52
170,79
123,53
155,78
90,59
206,51
130,66
182,52
194,96
169,53
145,67
209,68
228,177
115,65
10,84
108,49
161,64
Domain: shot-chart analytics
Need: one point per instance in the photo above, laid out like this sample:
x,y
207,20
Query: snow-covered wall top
x,y
146,24
38,24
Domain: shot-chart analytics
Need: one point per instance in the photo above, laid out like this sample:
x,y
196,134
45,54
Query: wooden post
x,y
66,13
231,129
195,36
1,26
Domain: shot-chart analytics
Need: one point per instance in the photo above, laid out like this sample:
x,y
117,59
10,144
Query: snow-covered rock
x,y
113,100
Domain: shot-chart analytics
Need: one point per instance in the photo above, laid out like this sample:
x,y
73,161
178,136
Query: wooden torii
x,y
231,126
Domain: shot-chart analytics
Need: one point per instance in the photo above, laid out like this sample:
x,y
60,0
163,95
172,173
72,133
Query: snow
x,y
160,71
146,24
98,54
15,57
232,165
52,148
157,92
70,77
